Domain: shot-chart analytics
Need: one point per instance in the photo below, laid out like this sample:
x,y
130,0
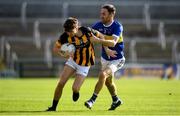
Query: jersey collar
x,y
109,24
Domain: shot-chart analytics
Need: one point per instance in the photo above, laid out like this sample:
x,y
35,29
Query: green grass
x,y
140,96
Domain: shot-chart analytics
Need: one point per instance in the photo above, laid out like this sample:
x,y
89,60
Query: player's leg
x,y
116,101
111,86
99,85
103,75
81,73
67,72
114,66
79,79
101,80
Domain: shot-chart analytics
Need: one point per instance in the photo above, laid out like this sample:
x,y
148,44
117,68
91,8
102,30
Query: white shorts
x,y
114,65
82,70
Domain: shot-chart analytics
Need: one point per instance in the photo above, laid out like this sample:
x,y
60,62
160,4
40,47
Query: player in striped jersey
x,y
80,61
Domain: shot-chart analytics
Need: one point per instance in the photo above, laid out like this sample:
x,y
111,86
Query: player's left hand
x,y
111,53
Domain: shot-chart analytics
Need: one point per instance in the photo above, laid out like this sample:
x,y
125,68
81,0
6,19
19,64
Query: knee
x,y
108,82
102,75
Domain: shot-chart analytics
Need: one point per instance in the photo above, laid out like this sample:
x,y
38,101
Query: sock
x,y
94,96
75,96
55,102
115,98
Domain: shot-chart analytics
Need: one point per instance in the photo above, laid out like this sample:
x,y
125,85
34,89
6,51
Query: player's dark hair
x,y
70,24
111,9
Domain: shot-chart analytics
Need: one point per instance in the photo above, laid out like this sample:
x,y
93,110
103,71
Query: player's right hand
x,y
66,55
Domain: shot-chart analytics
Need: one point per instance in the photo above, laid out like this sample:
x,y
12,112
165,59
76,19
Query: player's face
x,y
105,16
73,31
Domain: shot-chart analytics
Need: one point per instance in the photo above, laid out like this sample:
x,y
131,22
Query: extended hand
x,y
111,53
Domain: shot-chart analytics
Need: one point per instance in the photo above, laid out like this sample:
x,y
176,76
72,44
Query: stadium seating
x,y
51,14
153,52
54,10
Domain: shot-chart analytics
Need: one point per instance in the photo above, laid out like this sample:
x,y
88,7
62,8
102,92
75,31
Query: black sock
x,y
75,96
115,98
54,105
94,96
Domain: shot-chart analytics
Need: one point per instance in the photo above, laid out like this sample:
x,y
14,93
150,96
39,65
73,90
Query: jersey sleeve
x,y
95,26
117,30
62,39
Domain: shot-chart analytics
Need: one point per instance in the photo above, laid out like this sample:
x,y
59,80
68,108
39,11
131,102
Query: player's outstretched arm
x,y
101,40
98,37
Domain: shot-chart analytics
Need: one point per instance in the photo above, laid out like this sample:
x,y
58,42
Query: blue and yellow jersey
x,y
114,29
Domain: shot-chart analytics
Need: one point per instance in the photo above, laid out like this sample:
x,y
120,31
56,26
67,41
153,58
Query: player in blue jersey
x,y
112,58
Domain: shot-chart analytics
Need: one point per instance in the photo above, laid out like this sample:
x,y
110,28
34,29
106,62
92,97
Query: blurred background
x,y
29,28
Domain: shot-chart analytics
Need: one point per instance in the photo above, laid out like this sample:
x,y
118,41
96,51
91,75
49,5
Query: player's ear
x,y
112,14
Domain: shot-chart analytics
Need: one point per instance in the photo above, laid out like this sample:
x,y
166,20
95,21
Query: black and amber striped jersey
x,y
84,54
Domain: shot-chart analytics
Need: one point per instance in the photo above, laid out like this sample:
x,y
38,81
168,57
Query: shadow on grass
x,y
59,111
21,111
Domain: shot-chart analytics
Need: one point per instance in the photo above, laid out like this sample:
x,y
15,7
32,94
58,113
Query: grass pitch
x,y
140,96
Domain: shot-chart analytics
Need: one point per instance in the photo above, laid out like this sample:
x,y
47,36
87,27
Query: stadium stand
x,y
17,25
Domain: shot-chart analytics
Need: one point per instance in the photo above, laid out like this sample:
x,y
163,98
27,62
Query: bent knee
x,y
108,82
102,75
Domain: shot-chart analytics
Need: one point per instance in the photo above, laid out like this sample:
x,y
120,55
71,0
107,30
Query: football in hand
x,y
67,49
